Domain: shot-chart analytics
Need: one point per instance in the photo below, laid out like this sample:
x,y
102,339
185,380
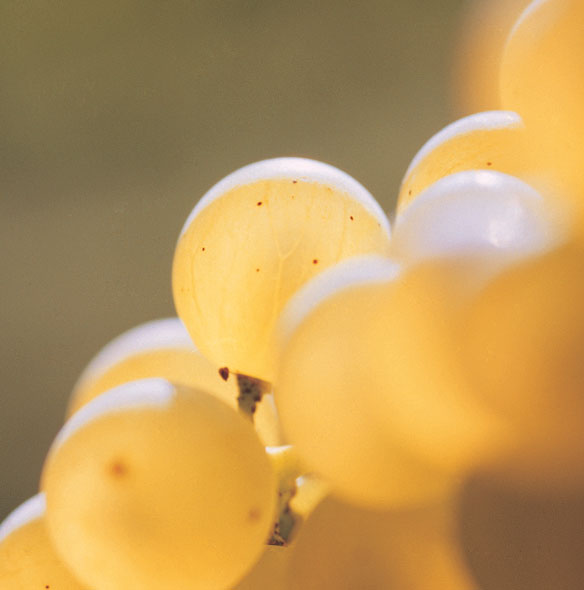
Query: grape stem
x,y
251,391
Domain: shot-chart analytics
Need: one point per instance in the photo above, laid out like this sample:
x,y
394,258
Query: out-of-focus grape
x,y
491,140
486,217
27,558
484,28
163,348
524,344
156,486
270,572
344,547
541,79
337,360
253,240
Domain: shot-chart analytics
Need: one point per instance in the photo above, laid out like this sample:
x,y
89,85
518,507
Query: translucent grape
x,y
156,486
253,240
27,558
491,140
163,348
334,364
525,343
484,28
541,79
344,547
476,215
270,572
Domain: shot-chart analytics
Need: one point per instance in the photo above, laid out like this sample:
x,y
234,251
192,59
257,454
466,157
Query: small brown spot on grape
x,y
203,248
254,514
294,181
489,163
315,261
257,270
224,372
118,469
259,203
410,192
351,218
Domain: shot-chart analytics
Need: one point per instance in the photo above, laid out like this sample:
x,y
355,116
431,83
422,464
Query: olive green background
x,y
116,116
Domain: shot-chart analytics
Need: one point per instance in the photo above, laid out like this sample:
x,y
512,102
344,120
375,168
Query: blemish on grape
x,y
118,469
254,514
489,163
224,373
315,261
259,203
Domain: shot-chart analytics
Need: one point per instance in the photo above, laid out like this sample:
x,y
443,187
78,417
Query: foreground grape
x,y
163,348
344,547
334,363
156,486
27,557
253,240
524,346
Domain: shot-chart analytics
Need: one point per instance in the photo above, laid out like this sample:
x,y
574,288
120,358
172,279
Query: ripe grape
x,y
541,79
484,28
163,348
253,240
345,547
152,485
475,215
27,558
334,364
491,140
524,345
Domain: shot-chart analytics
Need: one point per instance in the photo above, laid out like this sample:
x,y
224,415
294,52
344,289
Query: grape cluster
x,y
331,381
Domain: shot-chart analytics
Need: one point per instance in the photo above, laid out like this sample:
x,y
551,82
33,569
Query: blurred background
x,y
116,116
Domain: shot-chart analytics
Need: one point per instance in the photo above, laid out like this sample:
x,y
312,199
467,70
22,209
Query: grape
x,y
270,572
27,558
253,240
163,348
371,390
333,367
476,214
524,345
345,547
493,140
483,31
541,79
151,485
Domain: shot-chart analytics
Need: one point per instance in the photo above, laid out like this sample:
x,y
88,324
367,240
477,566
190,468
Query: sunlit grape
x,y
483,31
270,572
486,217
491,140
253,240
336,361
525,344
156,486
163,348
345,547
27,558
541,79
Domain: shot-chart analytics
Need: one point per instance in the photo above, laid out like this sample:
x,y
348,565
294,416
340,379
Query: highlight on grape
x,y
307,420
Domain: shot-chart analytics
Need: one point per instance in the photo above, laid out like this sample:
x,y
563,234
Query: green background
x,y
116,116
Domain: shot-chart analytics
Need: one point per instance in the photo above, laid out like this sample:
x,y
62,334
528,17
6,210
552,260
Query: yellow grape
x,y
484,28
491,140
541,79
344,547
28,560
270,572
335,363
154,486
476,214
253,240
524,344
163,348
